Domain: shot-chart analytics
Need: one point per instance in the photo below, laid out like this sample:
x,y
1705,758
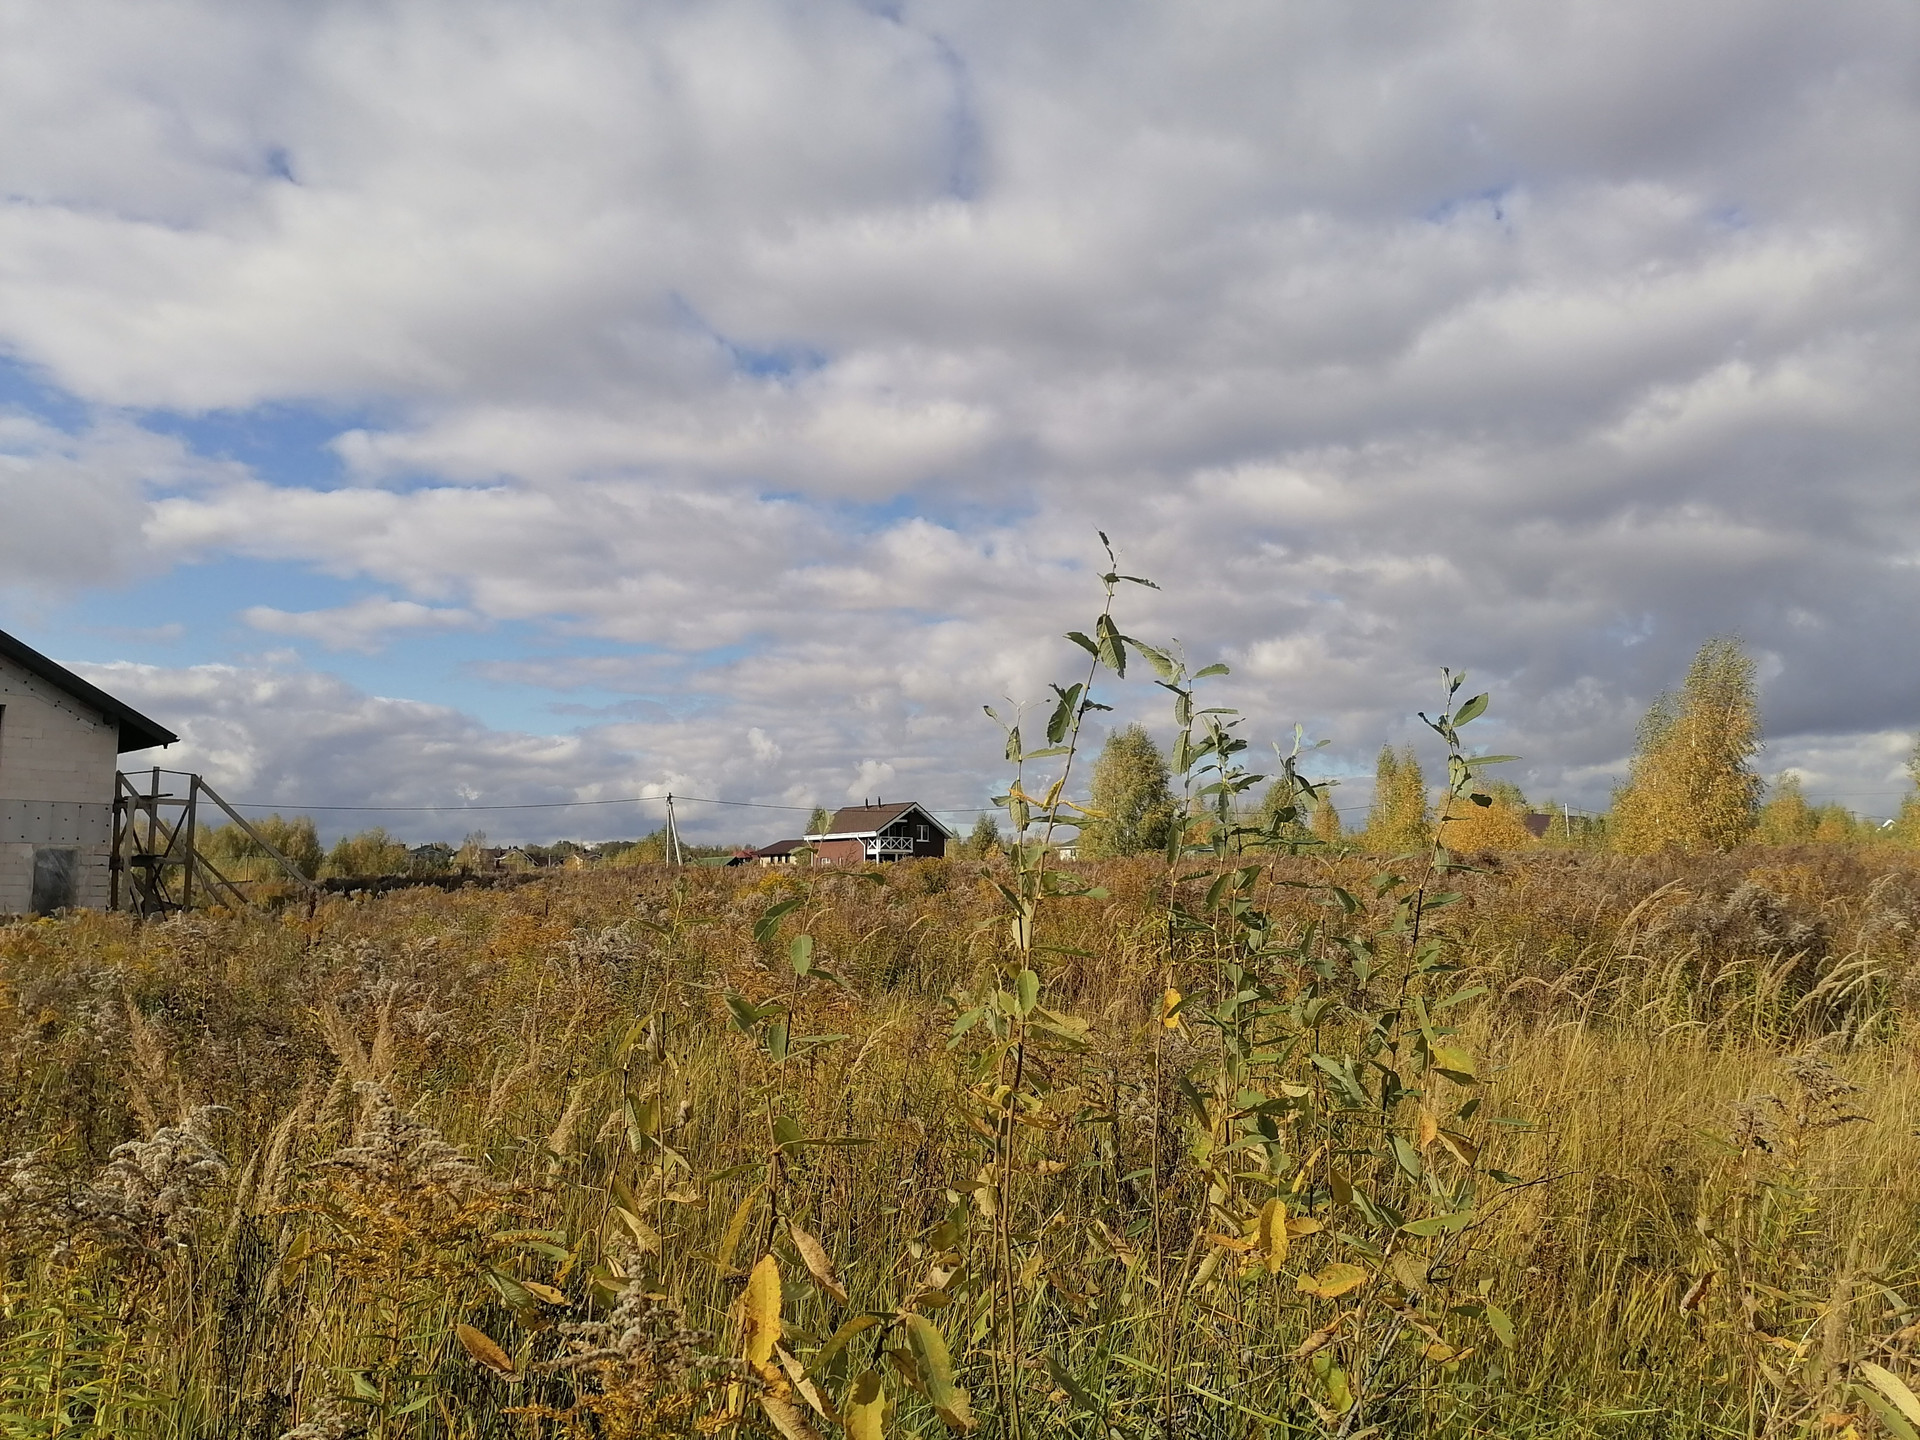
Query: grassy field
x,y
644,1152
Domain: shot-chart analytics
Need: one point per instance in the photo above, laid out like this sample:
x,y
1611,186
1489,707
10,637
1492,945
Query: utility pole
x,y
673,834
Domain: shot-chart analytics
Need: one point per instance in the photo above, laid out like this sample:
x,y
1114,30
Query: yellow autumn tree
x,y
1786,818
1502,825
1905,829
1836,825
1692,786
1399,820
1325,820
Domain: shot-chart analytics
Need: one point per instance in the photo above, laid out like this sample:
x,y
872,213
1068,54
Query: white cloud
x,y
71,503
363,625
804,349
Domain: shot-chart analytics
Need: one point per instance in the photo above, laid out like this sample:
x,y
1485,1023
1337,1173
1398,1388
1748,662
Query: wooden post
x,y
293,871
190,828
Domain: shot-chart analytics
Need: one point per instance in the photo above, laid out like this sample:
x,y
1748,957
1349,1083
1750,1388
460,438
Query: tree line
x,y
1691,786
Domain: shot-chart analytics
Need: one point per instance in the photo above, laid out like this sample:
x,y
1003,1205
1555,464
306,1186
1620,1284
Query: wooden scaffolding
x,y
156,867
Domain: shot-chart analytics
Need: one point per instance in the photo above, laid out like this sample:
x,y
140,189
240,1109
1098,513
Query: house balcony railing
x,y
889,845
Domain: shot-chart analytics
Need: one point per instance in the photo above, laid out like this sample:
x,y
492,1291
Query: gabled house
x,y
60,745
780,852
861,833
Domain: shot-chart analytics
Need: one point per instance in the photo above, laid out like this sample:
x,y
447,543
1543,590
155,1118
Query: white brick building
x,y
60,746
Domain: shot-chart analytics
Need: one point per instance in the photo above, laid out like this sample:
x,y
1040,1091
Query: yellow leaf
x,y
814,1255
1335,1280
864,1411
806,1388
544,1292
786,1418
1463,1149
1167,1003
1303,1225
1429,1130
1209,1265
1315,1343
761,1310
481,1347
1271,1234
1339,1186
736,1227
302,1250
645,1237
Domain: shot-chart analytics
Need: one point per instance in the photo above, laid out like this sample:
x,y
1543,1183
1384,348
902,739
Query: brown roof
x,y
781,847
858,819
870,819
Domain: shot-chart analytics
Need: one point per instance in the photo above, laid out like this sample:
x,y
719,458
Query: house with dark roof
x,y
781,852
880,832
60,745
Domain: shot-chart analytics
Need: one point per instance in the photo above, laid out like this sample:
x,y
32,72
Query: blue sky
x,y
420,403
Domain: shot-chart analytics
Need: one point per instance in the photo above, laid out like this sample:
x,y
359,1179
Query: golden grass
x,y
531,1114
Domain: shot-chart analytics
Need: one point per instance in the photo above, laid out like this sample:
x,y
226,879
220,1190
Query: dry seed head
x,y
393,1151
328,1420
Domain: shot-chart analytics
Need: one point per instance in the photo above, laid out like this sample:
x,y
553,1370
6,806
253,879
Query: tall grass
x,y
511,1163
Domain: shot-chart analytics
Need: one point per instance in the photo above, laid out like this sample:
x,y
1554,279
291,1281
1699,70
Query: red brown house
x,y
862,833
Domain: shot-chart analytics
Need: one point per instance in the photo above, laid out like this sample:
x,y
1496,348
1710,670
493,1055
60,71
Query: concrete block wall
x,y
58,758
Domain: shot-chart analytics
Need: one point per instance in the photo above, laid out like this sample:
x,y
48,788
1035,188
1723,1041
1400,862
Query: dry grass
x,y
274,1174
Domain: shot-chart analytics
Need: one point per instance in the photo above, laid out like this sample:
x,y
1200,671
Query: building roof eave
x,y
137,732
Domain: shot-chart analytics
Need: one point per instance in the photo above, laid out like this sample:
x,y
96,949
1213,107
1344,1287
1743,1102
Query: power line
x,y
554,805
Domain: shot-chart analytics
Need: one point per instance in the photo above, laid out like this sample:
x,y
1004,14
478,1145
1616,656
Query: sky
x,y
465,404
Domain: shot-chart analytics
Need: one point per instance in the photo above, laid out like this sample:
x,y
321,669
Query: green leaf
x,y
1501,1324
1083,642
1407,1157
1894,1388
1439,1224
1027,990
768,924
1472,710
1062,718
1159,659
1112,650
934,1368
800,951
1212,670
746,1014
1887,1415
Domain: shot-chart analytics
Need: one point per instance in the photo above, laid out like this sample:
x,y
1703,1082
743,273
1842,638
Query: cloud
x,y
363,625
788,359
291,738
71,501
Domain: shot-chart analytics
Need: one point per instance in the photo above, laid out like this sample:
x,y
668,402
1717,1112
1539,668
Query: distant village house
x,y
881,832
